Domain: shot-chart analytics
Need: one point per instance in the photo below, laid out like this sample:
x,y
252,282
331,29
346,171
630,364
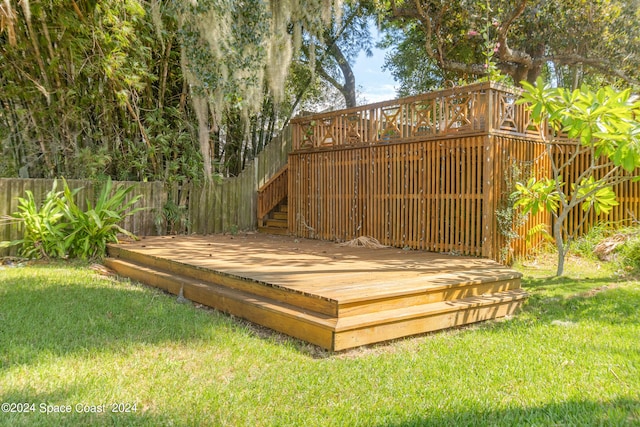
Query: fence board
x,y
141,223
439,195
407,195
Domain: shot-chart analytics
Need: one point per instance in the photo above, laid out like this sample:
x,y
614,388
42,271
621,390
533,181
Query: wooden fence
x,y
141,223
221,206
433,172
421,195
462,111
445,195
229,204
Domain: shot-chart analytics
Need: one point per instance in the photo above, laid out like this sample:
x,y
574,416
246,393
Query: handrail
x,y
478,108
273,192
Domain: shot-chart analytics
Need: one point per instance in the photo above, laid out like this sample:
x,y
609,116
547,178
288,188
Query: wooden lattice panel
x,y
391,122
507,113
327,129
425,119
457,113
353,129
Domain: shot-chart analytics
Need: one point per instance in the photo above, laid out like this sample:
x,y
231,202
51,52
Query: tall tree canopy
x,y
574,38
341,43
184,89
145,90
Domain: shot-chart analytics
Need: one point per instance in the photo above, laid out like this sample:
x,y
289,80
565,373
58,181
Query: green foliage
x,y
605,120
572,41
59,228
535,195
90,230
629,255
595,194
172,219
42,226
604,125
508,217
585,244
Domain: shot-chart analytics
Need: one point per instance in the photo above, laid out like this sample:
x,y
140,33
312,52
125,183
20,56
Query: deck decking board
x,y
333,296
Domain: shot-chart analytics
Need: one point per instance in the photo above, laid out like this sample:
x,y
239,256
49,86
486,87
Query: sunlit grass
x,y
71,337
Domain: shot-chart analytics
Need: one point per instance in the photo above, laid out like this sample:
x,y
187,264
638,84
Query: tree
x,y
338,48
89,91
231,50
137,90
576,37
605,126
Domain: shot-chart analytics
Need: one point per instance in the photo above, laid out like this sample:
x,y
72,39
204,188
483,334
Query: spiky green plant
x,y
91,230
43,227
59,228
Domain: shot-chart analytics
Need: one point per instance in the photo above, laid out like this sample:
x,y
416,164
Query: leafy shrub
x,y
586,244
60,228
172,219
43,229
629,255
91,230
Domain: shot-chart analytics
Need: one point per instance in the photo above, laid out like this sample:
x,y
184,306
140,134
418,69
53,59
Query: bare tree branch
x,y
599,63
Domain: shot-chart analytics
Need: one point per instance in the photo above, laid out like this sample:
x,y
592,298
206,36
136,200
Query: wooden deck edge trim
x,y
378,333
252,286
312,327
392,142
172,283
452,282
427,296
426,310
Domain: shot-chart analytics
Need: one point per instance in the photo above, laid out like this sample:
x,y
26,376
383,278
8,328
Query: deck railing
x,y
479,108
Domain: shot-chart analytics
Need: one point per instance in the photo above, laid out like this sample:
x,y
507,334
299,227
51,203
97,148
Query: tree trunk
x,y
201,107
348,89
560,245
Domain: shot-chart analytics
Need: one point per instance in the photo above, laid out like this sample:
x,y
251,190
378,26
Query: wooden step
x,y
286,318
331,332
277,223
354,331
334,297
281,216
434,289
130,260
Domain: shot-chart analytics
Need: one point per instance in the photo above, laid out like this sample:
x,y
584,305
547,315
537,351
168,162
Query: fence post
x,y
488,198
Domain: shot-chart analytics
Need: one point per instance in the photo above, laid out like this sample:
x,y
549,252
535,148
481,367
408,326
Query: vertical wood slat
x,y
443,199
407,195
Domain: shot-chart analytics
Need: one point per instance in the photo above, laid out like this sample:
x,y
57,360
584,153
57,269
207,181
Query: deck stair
x,y
277,220
336,308
272,204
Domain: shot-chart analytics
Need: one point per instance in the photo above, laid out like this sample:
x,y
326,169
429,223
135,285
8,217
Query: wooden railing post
x,y
488,198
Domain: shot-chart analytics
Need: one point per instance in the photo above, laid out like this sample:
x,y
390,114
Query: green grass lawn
x,y
69,336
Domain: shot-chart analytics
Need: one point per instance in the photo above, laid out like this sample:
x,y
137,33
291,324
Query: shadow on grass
x,y
61,315
620,412
600,300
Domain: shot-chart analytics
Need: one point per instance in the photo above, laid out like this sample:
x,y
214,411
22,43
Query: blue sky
x,y
374,84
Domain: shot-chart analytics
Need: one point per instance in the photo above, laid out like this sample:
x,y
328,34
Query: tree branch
x,y
505,53
599,63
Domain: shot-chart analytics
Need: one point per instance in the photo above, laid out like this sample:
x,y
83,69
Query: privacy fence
x,y
224,205
430,172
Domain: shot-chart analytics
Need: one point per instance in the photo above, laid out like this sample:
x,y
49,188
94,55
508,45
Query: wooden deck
x,y
333,296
